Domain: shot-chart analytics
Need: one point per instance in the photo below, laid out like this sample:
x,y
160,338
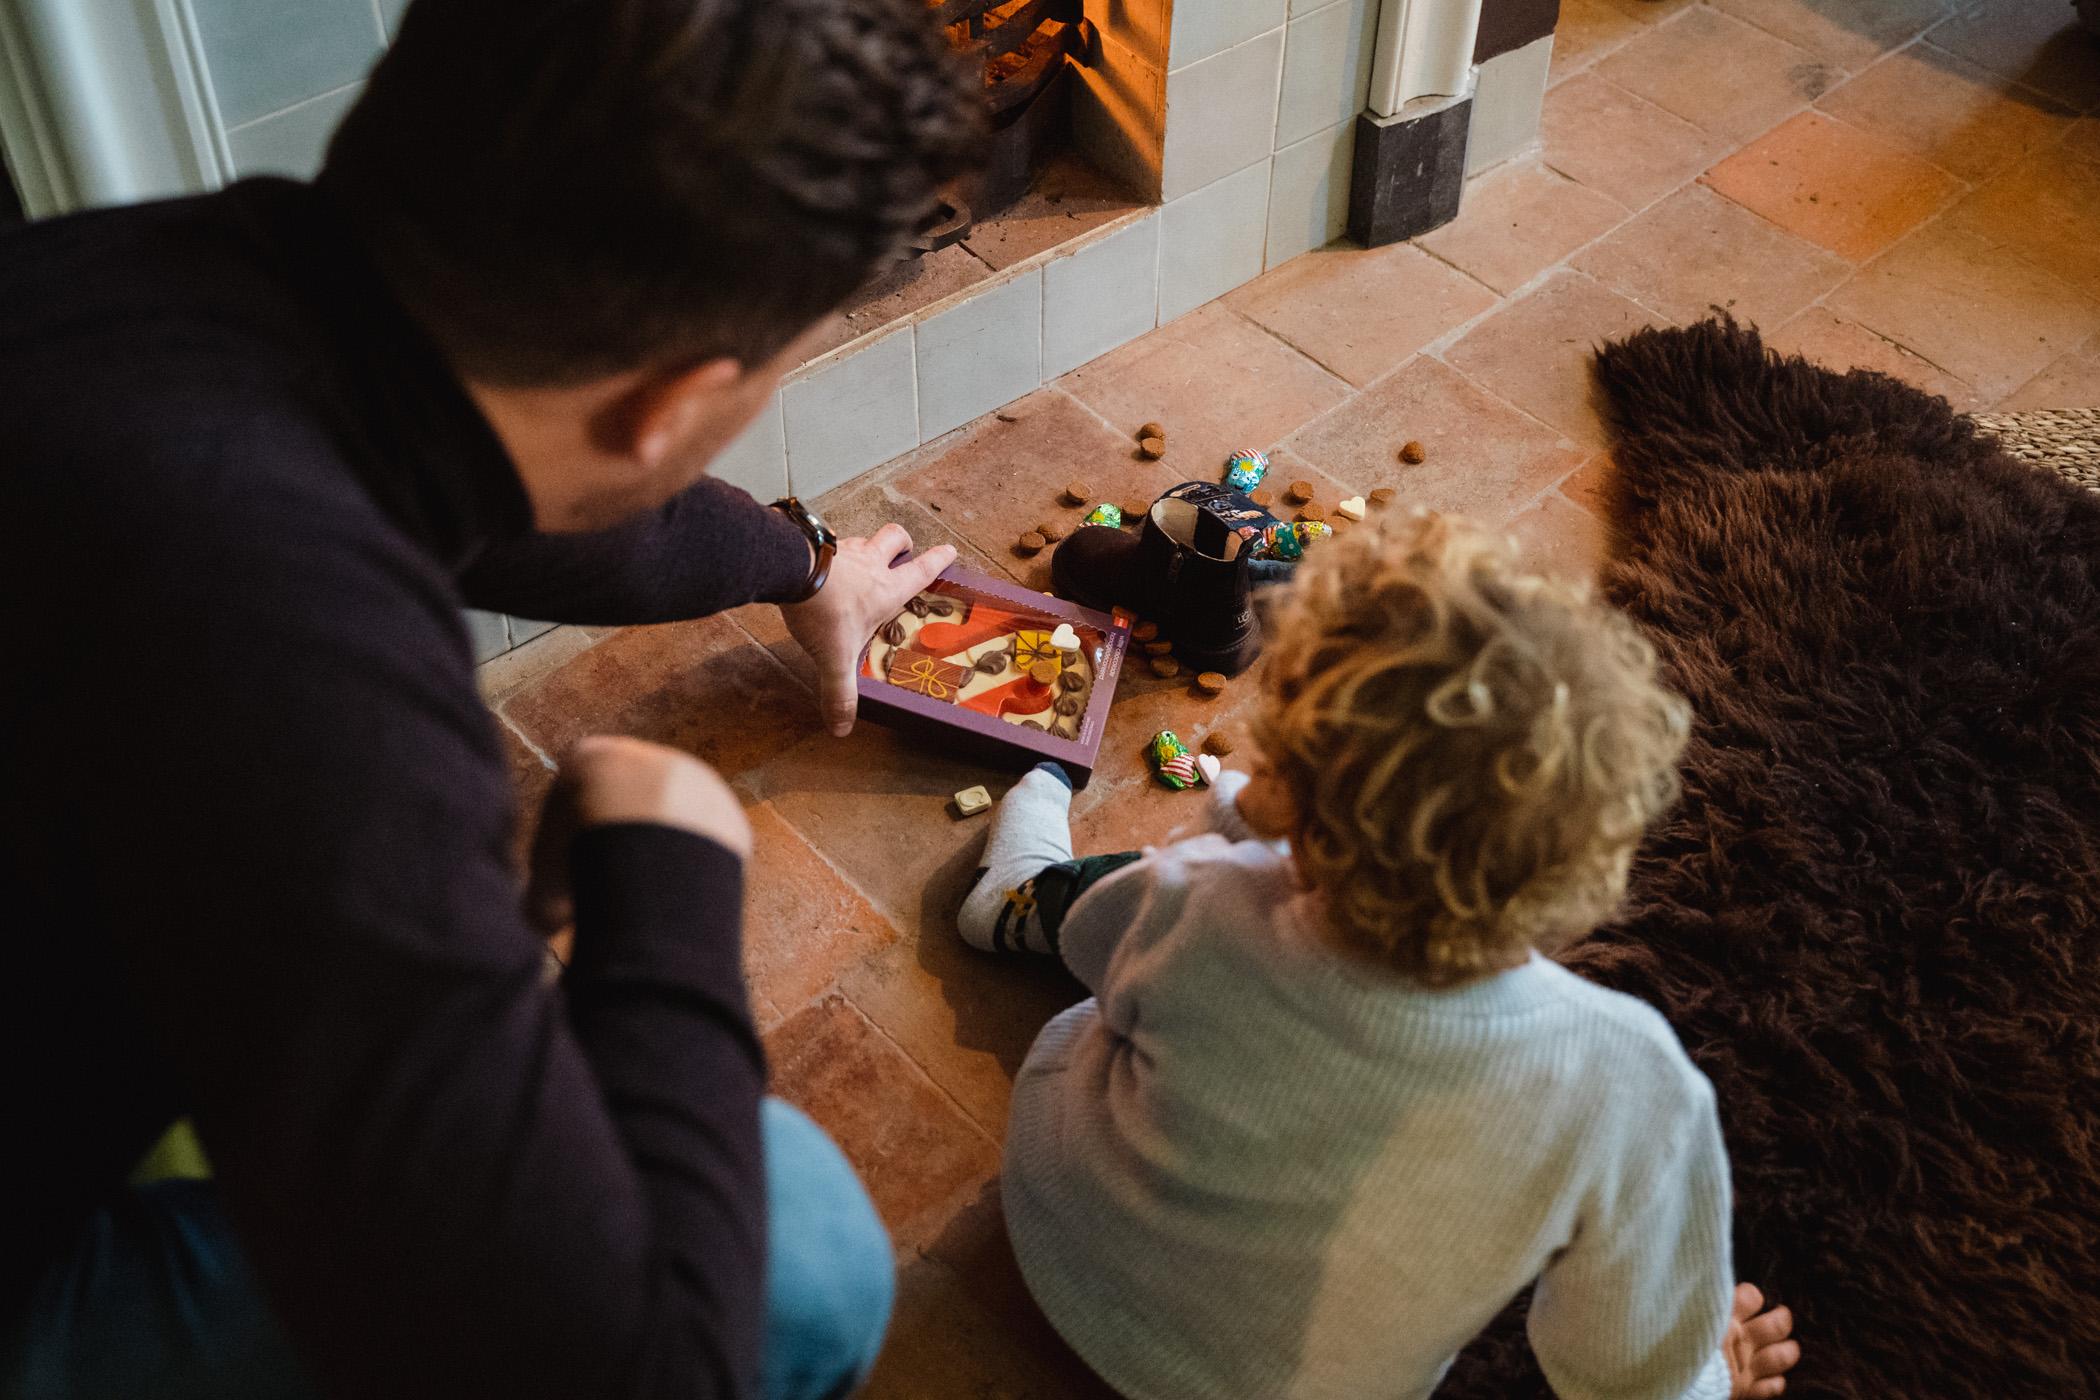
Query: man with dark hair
x,y
261,447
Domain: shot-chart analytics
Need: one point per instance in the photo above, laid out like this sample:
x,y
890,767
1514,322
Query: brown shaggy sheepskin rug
x,y
1874,919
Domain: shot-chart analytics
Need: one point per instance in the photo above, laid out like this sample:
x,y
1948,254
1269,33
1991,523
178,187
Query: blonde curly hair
x,y
1474,751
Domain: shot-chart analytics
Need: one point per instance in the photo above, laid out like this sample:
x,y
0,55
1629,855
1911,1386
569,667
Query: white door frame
x,y
1424,49
105,102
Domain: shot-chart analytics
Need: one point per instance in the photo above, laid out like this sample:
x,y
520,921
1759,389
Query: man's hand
x,y
1758,1347
607,780
863,592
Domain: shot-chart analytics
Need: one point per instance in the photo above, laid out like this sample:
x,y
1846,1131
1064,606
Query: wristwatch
x,y
823,544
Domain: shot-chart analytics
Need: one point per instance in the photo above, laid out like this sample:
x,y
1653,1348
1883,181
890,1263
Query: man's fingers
x,y
841,696
890,541
1767,1388
1748,1299
1770,1327
907,579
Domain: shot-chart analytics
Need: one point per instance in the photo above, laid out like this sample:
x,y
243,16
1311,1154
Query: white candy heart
x,y
1064,638
1208,766
1352,509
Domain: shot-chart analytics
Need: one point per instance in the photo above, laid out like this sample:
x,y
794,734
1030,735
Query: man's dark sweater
x,y
254,822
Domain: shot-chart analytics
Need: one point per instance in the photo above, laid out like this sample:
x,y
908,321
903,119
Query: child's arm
x,y
1635,1306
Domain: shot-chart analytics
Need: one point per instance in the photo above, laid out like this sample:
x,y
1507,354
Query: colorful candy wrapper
x,y
1172,763
1105,514
1279,542
1244,469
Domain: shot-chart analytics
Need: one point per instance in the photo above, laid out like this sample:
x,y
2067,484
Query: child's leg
x,y
1029,877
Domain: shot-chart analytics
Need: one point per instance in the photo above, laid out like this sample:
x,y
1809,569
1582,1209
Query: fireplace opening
x,y
1037,187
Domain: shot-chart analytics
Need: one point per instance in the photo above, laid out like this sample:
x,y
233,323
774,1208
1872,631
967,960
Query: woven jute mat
x,y
2065,440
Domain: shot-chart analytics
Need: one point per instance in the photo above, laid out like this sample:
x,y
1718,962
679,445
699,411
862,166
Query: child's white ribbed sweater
x,y
1248,1168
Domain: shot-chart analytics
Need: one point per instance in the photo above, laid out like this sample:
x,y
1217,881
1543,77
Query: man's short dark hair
x,y
564,189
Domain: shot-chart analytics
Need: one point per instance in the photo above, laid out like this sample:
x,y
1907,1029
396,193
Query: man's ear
x,y
664,407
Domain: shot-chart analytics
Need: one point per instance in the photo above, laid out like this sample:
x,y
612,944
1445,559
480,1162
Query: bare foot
x,y
1759,1346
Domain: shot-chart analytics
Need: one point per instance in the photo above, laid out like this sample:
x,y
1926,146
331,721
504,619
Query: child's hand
x,y
1758,1346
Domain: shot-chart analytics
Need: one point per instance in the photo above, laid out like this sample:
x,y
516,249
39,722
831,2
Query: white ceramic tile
x,y
980,353
1206,27
523,631
1309,193
851,413
266,55
1140,25
1102,296
757,460
291,142
1326,68
490,633
1221,114
1508,91
1211,241
1118,113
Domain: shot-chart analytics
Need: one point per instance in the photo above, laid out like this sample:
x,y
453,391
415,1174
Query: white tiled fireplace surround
x,y
1239,114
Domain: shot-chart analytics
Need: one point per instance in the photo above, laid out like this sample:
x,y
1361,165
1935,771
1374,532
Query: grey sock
x,y
1031,829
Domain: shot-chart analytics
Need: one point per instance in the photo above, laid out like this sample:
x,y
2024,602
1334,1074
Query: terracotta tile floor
x,y
1901,185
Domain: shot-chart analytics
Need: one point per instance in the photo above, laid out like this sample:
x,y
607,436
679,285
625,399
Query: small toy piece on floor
x,y
1105,514
972,800
1413,453
1351,509
1078,493
1172,763
1244,469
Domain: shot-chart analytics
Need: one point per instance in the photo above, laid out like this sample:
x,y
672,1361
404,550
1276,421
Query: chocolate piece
x,y
1065,729
1043,672
1413,453
1217,742
1298,492
1159,648
917,606
1351,509
992,663
1153,430
1134,512
1144,632
1165,667
1071,680
1211,682
1030,543
1383,496
1312,510
925,675
1078,493
891,631
1069,705
1152,448
1051,531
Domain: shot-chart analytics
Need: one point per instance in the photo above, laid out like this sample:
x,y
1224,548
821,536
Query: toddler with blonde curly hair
x,y
1329,1110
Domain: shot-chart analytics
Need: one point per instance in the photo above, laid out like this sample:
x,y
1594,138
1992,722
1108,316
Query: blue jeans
x,y
157,1302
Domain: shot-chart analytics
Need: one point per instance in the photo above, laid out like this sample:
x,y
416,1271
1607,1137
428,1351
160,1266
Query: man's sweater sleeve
x,y
710,548
1635,1306
451,1177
